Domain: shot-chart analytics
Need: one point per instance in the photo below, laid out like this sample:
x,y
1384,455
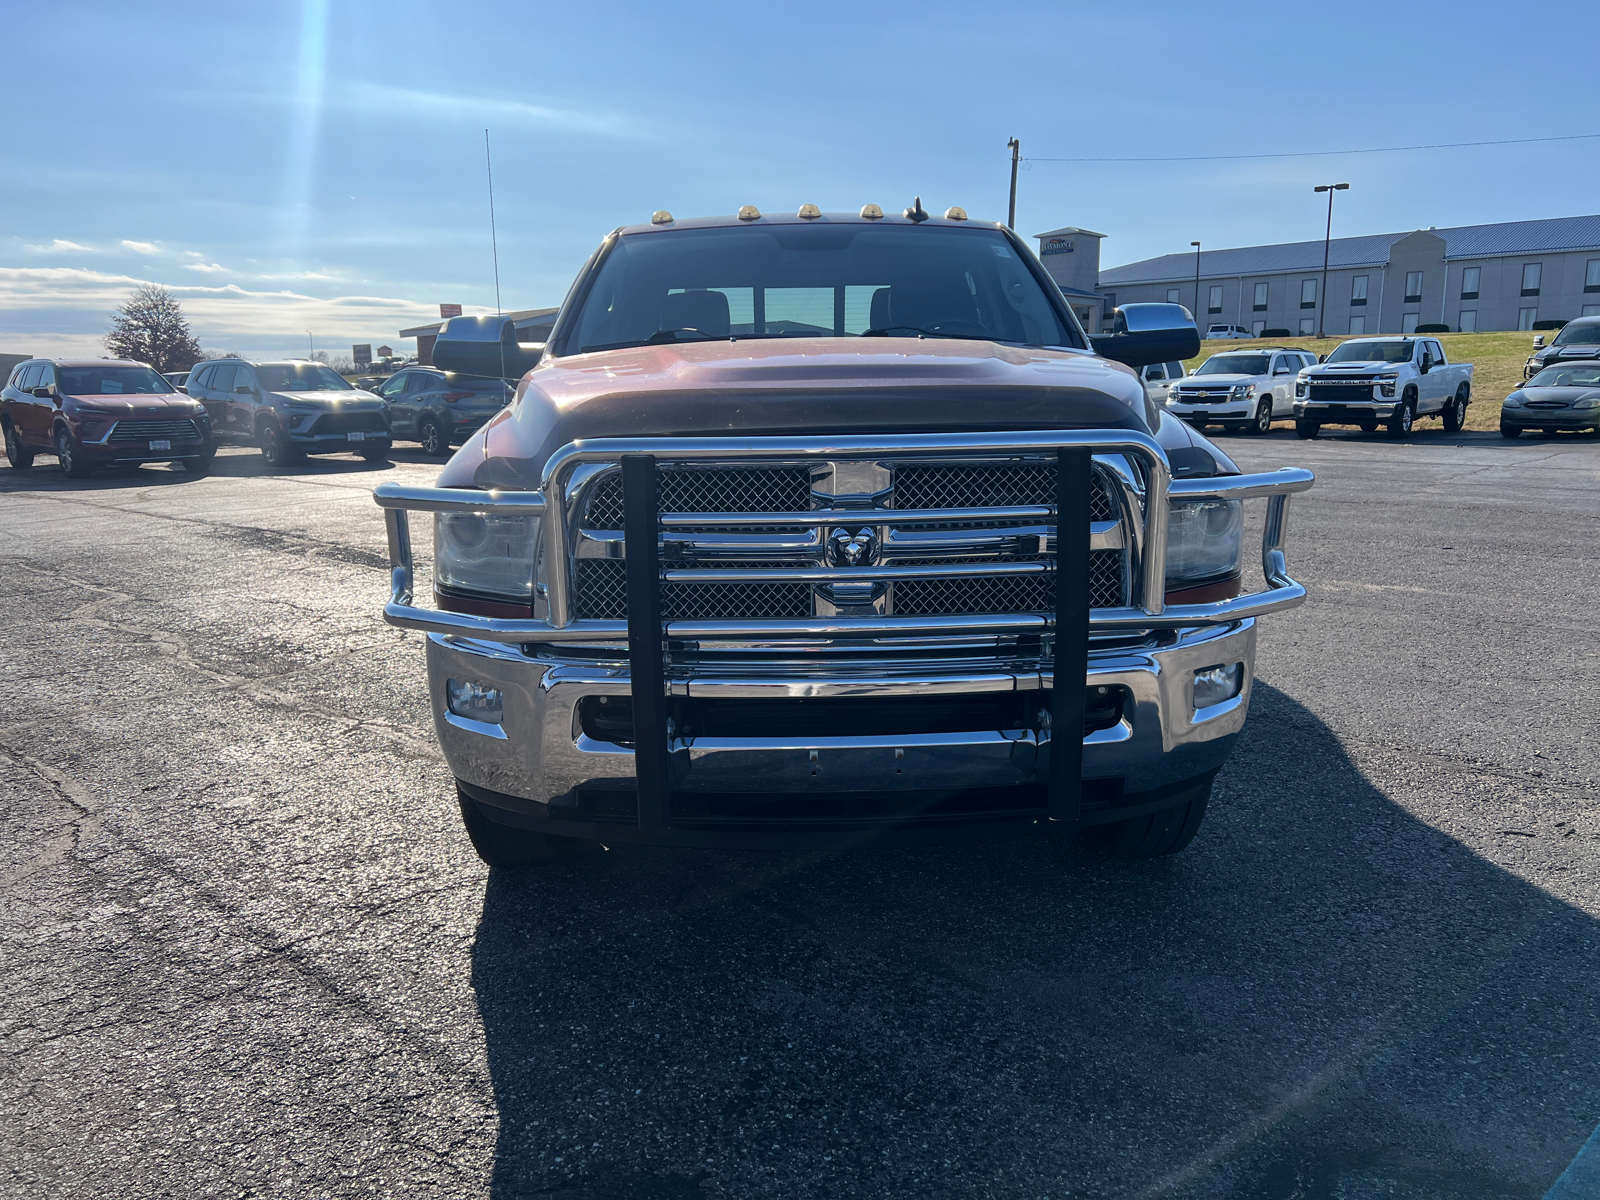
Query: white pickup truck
x,y
1389,380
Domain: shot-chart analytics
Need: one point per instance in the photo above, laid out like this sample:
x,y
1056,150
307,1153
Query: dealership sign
x,y
446,311
362,355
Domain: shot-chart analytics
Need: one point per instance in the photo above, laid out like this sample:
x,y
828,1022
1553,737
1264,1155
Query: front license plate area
x,y
162,444
355,435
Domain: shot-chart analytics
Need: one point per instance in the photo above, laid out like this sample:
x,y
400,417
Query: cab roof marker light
x,y
749,212
661,217
955,213
809,212
872,212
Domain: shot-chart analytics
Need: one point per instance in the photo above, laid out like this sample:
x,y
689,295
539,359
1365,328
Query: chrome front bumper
x,y
535,765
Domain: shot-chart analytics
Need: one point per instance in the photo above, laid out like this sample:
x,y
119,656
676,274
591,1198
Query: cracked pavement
x,y
246,950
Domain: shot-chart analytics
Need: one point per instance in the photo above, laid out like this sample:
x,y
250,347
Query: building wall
x,y
1498,305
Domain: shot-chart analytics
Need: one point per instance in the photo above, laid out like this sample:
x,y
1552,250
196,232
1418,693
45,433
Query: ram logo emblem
x,y
858,549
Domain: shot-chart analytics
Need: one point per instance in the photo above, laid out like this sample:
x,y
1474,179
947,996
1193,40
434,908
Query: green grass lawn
x,y
1496,359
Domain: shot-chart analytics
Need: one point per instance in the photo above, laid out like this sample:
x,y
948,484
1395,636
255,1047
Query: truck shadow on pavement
x,y
1323,997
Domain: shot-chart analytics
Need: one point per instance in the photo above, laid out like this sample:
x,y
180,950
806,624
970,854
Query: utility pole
x,y
1196,246
1011,212
312,342
1327,244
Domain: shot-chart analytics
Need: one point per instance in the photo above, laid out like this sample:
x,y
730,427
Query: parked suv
x,y
1228,333
1240,389
101,411
1159,378
290,409
440,409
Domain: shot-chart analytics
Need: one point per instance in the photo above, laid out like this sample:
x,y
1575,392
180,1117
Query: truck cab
x,y
813,529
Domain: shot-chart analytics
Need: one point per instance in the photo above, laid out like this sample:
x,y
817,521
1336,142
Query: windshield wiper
x,y
890,331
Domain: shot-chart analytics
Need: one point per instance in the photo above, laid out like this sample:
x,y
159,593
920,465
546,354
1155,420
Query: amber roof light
x,y
871,212
749,213
661,217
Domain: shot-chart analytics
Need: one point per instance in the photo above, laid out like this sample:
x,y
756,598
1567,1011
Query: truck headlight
x,y
1203,540
485,555
1299,389
1241,391
1386,384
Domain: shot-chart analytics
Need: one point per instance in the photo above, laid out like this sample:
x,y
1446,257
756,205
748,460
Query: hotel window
x,y
1358,324
1590,310
1172,296
1526,317
1358,291
1260,304
1108,305
1591,276
1308,293
1413,287
1215,304
1308,326
1408,323
1469,282
1257,328
1530,279
1468,320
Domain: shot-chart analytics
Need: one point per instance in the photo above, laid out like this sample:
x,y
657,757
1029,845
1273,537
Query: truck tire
x,y
1369,427
1405,415
20,457
1263,421
1510,431
507,846
1455,413
1306,429
1156,834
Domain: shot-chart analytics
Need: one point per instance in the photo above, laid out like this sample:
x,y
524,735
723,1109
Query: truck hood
x,y
806,386
1362,365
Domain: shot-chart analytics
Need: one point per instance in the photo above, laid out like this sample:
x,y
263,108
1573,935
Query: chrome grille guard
x,y
1146,541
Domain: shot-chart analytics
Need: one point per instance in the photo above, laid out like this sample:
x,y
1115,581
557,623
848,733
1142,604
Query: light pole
x,y
1015,147
1196,246
312,342
1327,243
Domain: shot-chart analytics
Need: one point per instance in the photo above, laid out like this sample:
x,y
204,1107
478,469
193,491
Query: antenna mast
x,y
494,244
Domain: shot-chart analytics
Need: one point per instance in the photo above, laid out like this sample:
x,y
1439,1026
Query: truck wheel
x,y
432,438
19,457
72,463
507,846
1155,834
1510,431
1369,427
1263,422
1404,416
1307,429
1455,414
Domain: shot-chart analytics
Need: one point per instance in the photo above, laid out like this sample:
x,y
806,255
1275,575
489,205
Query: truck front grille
x,y
600,583
1341,393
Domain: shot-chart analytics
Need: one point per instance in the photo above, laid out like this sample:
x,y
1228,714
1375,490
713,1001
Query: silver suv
x,y
290,409
1240,389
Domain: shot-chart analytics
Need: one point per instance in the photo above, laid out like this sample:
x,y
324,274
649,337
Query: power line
x,y
1575,137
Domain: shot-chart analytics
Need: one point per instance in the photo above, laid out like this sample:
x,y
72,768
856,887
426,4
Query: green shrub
x,y
1266,333
1434,328
1548,324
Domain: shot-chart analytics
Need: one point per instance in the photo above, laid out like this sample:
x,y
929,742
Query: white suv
x,y
1159,378
1228,332
1240,389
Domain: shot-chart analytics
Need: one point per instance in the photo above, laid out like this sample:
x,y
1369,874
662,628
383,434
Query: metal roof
x,y
1069,231
1549,236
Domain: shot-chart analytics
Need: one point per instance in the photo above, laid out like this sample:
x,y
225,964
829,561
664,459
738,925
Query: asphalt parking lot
x,y
246,950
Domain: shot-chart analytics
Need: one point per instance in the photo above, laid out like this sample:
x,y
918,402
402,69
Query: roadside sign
x,y
446,311
362,355
385,352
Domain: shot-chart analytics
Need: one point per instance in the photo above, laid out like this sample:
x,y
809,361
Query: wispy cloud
x,y
141,247
62,246
384,98
208,268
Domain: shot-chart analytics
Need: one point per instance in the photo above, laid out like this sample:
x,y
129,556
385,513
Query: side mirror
x,y
244,389
1538,342
1322,358
485,346
42,392
1142,334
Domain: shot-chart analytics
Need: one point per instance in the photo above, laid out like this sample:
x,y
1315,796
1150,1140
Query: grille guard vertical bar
x,y
1073,470
641,527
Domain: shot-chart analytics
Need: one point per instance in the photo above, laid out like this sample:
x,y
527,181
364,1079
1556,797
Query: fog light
x,y
1213,685
478,703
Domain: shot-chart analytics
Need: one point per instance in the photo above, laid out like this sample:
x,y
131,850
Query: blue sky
x,y
317,165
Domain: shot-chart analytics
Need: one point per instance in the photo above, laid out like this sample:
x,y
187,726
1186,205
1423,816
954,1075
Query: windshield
x,y
1234,364
1578,333
301,377
1572,376
1389,352
776,281
110,381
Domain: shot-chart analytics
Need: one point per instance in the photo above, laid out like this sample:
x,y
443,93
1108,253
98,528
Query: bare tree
x,y
151,328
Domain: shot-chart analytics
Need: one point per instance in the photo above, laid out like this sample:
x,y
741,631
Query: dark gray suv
x,y
440,409
290,409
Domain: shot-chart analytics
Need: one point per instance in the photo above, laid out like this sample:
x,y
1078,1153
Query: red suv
x,y
100,411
